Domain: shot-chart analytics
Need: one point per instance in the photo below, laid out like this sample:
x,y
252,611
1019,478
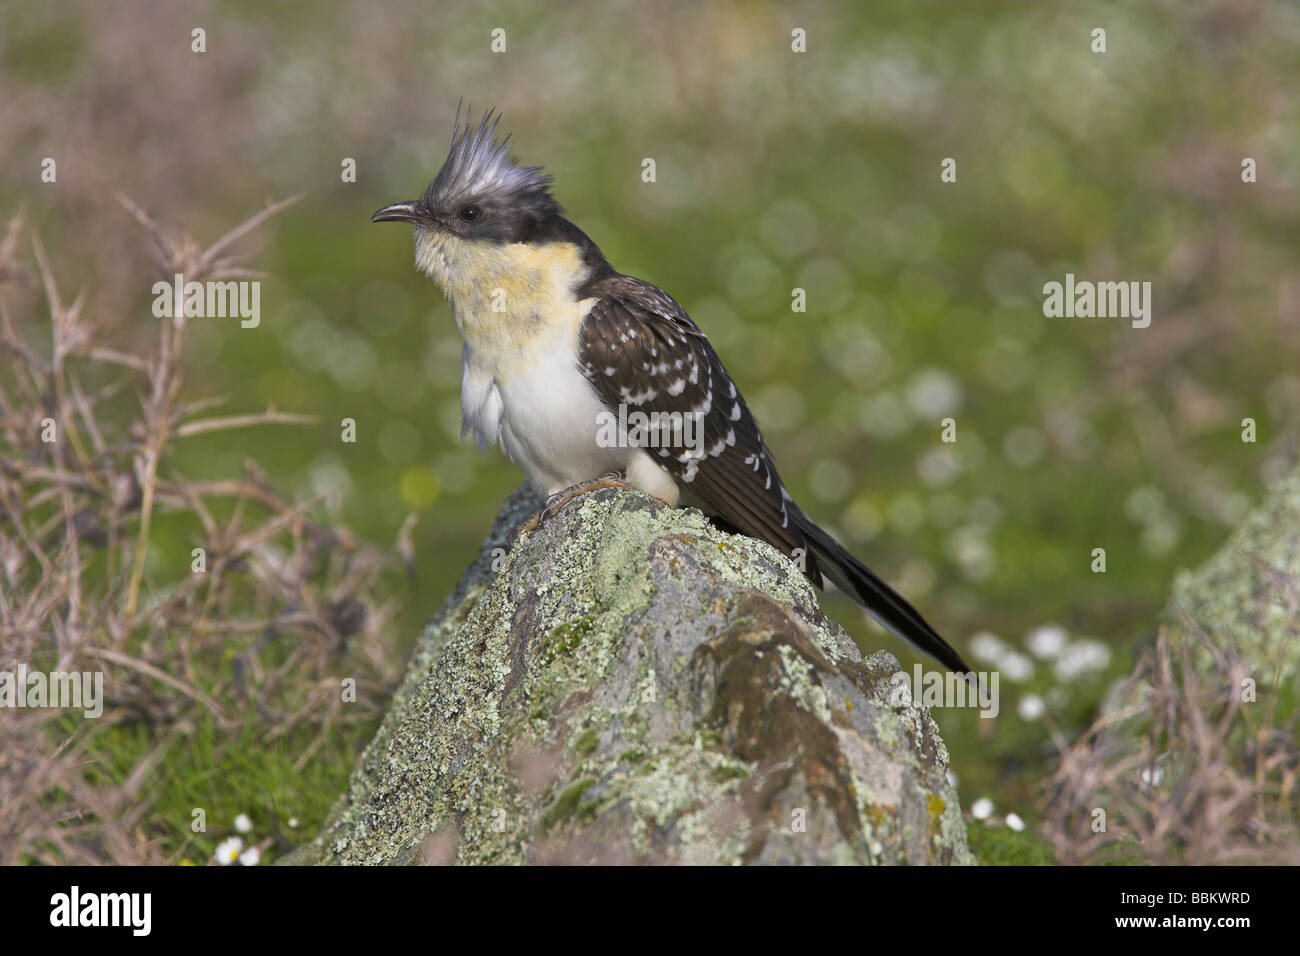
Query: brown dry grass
x,y
1184,770
258,642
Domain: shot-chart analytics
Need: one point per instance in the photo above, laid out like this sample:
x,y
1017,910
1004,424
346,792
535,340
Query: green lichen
x,y
1241,599
727,772
567,697
565,804
568,636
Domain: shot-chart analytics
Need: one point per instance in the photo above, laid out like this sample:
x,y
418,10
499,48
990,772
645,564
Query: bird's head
x,y
481,199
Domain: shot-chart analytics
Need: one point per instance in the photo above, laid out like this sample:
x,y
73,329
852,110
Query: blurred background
x,y
775,170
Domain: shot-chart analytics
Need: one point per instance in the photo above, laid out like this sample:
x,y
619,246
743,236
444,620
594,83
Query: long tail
x,y
875,596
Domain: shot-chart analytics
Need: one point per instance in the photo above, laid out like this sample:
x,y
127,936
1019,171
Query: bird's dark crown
x,y
482,192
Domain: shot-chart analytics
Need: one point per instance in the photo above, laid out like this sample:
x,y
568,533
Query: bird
x,y
556,344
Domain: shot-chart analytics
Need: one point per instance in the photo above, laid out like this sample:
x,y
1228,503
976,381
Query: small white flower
x,y
1081,658
293,823
1145,504
1047,642
982,808
987,647
937,467
243,824
228,851
1014,822
1031,707
934,393
251,857
1161,537
1017,667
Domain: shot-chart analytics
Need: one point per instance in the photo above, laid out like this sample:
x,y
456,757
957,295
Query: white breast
x,y
549,422
521,386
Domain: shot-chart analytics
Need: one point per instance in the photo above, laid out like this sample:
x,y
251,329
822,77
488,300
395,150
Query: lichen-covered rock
x,y
1245,599
1234,615
628,684
1194,755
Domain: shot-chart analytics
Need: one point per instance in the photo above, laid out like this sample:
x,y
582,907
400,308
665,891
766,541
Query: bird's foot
x,y
556,502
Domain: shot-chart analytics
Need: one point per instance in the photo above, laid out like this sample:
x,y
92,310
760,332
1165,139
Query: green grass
x,y
226,775
1002,846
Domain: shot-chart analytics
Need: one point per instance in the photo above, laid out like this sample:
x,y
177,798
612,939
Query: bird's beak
x,y
398,212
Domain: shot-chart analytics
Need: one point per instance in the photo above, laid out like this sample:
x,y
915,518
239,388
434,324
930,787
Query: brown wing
x,y
640,349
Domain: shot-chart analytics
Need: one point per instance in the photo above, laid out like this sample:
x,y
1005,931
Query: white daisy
x,y
1081,658
987,647
228,851
1047,642
1031,707
1017,667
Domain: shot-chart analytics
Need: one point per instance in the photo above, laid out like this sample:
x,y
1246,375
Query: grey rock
x,y
1245,600
628,684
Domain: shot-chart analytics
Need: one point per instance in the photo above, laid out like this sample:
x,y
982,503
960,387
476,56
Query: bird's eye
x,y
470,213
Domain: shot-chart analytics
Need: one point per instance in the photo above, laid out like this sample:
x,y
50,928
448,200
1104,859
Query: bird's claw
x,y
555,503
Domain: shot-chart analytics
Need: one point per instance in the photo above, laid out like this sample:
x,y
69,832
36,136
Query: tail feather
x,y
876,597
